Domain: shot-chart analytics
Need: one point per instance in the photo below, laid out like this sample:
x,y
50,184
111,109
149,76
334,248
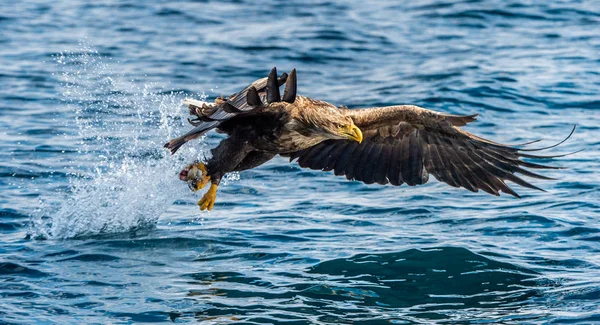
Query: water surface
x,y
96,228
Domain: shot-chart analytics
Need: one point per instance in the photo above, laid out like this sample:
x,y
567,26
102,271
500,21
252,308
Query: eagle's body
x,y
395,144
277,128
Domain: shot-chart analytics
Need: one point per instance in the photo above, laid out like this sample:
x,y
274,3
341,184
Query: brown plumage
x,y
395,144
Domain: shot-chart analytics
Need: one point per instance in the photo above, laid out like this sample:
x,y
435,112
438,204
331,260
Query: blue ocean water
x,y
96,228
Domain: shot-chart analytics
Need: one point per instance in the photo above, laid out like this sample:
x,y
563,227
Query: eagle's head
x,y
322,119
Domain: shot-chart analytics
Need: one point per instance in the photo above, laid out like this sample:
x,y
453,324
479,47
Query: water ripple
x,y
96,228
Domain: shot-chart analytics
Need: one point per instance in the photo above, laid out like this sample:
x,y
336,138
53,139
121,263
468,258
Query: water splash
x,y
122,179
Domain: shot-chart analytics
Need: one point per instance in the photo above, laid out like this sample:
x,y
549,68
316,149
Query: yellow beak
x,y
354,133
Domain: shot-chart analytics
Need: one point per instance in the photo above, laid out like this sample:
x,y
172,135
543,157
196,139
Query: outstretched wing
x,y
208,117
404,144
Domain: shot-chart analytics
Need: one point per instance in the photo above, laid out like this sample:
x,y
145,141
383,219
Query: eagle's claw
x,y
195,175
209,198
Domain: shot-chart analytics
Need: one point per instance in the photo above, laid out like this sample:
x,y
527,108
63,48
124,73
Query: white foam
x,y
123,179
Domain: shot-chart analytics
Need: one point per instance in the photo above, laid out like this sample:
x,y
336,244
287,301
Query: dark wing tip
x,y
554,145
252,98
289,93
512,193
273,87
550,156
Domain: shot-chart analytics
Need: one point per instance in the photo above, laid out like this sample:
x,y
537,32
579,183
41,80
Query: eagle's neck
x,y
297,136
300,131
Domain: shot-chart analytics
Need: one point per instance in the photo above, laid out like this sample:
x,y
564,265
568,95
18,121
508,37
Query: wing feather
x,y
415,159
356,165
483,179
439,166
321,159
344,158
470,170
427,160
339,146
395,161
305,159
381,168
404,160
373,159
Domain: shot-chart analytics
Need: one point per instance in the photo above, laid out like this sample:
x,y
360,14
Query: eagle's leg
x,y
225,158
252,159
208,200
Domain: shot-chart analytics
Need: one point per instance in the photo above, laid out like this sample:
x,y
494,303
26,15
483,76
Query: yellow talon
x,y
209,198
197,176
